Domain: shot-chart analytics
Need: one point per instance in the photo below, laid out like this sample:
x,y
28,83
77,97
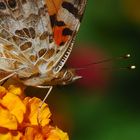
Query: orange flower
x,y
19,118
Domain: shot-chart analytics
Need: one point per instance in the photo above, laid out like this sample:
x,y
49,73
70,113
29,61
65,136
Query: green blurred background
x,y
106,111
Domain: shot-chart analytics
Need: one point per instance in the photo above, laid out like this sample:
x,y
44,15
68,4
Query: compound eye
x,y
68,76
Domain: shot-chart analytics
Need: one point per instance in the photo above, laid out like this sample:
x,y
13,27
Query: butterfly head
x,y
68,76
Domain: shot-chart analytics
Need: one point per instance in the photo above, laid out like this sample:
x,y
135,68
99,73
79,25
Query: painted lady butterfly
x,y
36,39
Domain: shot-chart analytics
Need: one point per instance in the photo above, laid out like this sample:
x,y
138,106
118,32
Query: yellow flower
x,y
19,118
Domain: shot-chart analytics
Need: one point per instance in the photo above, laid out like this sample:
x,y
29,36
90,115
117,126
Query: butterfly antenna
x,y
133,67
109,60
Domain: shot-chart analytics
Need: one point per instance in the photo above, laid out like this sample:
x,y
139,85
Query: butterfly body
x,y
37,37
64,77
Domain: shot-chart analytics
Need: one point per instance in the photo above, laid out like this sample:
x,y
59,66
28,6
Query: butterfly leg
x,y
49,91
7,77
40,106
4,82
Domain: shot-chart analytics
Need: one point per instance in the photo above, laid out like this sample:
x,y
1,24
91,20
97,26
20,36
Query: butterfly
x,y
36,39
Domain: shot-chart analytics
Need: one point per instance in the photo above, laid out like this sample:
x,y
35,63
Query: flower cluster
x,y
19,118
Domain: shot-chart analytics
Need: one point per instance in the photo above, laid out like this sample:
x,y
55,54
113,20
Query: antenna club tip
x,y
133,67
127,55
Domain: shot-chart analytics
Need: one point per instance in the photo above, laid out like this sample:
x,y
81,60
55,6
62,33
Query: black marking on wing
x,y
12,3
70,7
54,21
2,6
67,31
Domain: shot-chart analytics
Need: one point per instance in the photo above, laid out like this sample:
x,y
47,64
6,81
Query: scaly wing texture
x,y
36,34
65,16
25,34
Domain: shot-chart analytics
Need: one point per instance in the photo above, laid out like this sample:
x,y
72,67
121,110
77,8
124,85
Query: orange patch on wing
x,y
58,36
53,6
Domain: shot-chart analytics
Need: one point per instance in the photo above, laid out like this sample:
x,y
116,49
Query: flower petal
x,y
33,133
2,91
15,106
17,136
15,90
5,136
33,105
10,136
7,120
57,134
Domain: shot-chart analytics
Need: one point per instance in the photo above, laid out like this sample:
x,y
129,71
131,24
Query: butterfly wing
x,y
36,34
65,17
25,33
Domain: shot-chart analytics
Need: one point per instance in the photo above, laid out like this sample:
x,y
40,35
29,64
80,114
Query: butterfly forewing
x,y
65,17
